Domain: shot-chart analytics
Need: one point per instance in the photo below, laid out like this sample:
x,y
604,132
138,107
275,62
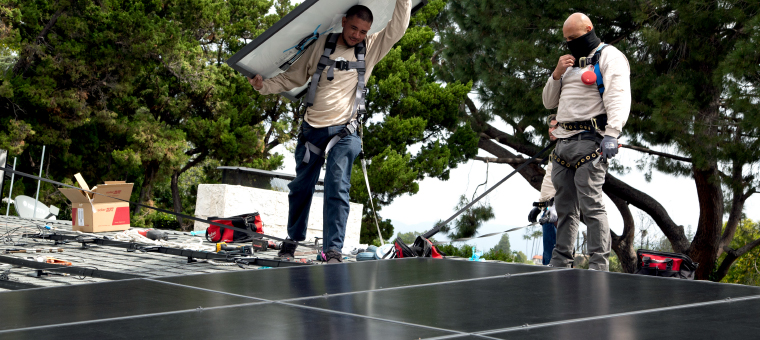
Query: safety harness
x,y
594,60
359,106
592,125
352,125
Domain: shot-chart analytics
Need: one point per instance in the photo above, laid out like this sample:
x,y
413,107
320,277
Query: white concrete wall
x,y
229,200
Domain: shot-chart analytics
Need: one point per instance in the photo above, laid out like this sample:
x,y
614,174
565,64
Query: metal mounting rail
x,y
238,258
81,271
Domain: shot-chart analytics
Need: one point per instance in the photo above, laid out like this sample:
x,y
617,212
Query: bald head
x,y
576,25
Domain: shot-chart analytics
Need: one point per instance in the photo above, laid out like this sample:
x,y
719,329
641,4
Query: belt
x,y
593,124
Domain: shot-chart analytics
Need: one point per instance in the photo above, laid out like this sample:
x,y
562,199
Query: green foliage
x,y
139,91
520,257
467,224
503,244
745,270
410,237
136,91
615,265
464,250
409,108
496,253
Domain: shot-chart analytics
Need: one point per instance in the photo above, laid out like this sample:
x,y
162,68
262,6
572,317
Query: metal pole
x,y
37,196
13,175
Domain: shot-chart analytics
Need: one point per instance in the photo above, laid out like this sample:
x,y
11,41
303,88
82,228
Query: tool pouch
x,y
245,221
658,263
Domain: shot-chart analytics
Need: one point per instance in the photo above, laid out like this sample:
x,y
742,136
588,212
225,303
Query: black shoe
x,y
332,256
287,250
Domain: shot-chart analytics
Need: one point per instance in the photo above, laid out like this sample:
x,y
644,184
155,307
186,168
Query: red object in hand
x,y
588,77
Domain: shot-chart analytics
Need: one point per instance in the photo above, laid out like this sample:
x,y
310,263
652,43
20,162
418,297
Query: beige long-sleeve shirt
x,y
547,188
577,101
334,100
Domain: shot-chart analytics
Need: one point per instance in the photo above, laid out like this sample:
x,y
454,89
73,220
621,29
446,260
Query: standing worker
x,y
339,66
545,203
592,90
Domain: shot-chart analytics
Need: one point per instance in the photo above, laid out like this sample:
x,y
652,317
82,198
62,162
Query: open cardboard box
x,y
93,213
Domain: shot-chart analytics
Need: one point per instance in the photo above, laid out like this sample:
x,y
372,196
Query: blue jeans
x,y
337,184
550,239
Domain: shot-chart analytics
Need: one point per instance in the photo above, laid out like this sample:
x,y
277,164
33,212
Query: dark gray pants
x,y
580,191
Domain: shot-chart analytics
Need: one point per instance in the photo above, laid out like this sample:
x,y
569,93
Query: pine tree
x,y
694,68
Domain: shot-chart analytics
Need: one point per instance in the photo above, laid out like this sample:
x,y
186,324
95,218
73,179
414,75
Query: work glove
x,y
533,214
609,147
537,207
550,216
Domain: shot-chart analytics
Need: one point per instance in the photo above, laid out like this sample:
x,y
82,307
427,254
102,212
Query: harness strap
x,y
309,149
594,60
359,101
349,129
585,159
324,61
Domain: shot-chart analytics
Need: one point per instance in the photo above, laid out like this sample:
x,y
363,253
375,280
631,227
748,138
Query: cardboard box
x,y
93,213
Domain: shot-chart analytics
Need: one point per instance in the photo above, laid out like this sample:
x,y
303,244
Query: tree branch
x,y
656,153
533,173
507,160
649,205
623,244
731,256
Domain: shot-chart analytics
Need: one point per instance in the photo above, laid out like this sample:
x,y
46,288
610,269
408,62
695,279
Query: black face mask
x,y
583,45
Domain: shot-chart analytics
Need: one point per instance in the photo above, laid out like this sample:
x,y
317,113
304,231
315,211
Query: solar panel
x,y
389,299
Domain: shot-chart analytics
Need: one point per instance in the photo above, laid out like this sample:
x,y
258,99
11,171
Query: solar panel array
x,y
390,299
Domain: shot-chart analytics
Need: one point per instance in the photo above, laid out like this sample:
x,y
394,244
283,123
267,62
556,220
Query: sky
x,y
512,201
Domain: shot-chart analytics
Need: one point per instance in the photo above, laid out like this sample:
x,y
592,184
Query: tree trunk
x,y
176,198
146,190
704,248
623,245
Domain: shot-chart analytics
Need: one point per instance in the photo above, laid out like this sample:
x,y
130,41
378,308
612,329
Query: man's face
x,y
552,127
573,31
355,30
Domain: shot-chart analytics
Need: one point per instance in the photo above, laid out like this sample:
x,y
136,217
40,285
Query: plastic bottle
x,y
476,254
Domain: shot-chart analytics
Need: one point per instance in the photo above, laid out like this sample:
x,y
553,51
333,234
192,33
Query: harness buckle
x,y
342,65
582,62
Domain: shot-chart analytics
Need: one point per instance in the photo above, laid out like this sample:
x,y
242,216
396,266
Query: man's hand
x,y
257,82
609,147
564,62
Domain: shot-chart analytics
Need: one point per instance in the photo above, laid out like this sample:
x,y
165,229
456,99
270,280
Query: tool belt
x,y
592,124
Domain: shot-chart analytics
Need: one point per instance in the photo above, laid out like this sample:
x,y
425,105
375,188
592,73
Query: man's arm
x,y
297,75
547,188
381,42
617,92
550,96
553,86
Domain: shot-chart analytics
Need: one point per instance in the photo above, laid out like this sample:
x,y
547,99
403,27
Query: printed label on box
x,y
80,216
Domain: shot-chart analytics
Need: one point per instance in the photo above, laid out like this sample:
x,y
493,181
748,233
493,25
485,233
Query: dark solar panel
x,y
278,284
391,299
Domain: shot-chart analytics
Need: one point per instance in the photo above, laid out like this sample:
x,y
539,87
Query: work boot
x,y
332,256
287,250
